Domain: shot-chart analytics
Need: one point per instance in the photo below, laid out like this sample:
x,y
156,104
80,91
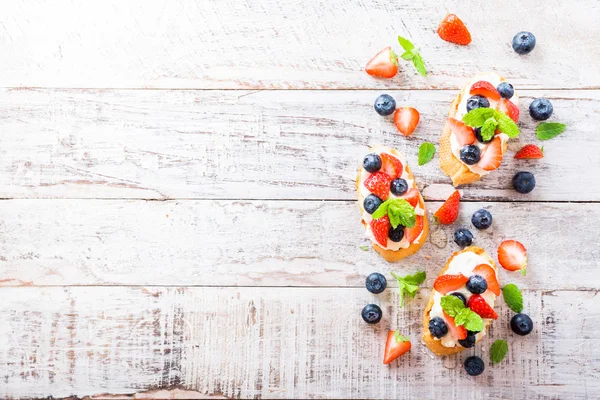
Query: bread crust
x,y
391,255
434,344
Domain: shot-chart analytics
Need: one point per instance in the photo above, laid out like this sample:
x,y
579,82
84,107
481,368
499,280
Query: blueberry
x,y
470,154
372,163
523,42
477,284
523,182
469,341
385,105
474,366
396,234
376,283
478,135
463,237
521,324
460,296
438,327
540,109
371,313
371,203
477,102
481,219
399,186
506,90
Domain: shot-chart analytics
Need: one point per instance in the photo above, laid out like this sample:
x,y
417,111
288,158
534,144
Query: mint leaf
x,y
409,285
411,53
399,211
394,57
417,278
426,152
419,64
400,338
407,55
507,125
451,305
488,128
498,351
473,322
381,210
406,44
513,297
462,317
364,248
477,117
548,130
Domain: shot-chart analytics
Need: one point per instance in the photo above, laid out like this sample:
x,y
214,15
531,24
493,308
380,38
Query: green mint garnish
x,y
498,351
409,284
548,130
411,53
399,211
426,152
513,297
454,307
364,248
480,117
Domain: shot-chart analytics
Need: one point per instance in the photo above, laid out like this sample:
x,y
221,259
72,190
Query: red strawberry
x,y
413,233
485,89
512,255
481,307
395,346
509,108
530,151
378,183
406,120
453,30
448,283
464,134
490,277
412,196
380,228
460,332
391,165
384,64
448,212
492,155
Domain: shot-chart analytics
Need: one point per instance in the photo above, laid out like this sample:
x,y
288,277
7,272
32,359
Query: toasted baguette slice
x,y
434,344
391,255
452,166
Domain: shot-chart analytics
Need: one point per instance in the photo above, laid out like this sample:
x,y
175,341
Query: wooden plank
x,y
258,145
287,44
296,342
267,243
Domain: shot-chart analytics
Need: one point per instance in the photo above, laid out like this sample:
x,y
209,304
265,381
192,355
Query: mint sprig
x,y
498,351
411,53
426,152
454,307
399,211
489,119
409,284
548,130
513,297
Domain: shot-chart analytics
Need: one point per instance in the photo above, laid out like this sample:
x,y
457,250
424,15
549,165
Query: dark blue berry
x,y
540,109
506,90
477,102
477,284
376,283
470,154
478,135
523,182
481,219
385,105
460,296
399,186
396,234
372,163
469,341
438,327
474,366
371,313
463,237
371,203
523,42
521,324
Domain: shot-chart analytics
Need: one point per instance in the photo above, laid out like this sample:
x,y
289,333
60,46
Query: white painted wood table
x,y
178,214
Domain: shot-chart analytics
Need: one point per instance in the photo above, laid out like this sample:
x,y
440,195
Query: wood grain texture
x,y
288,44
267,243
258,145
298,342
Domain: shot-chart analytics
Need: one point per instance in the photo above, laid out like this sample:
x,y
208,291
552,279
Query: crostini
x,y
461,305
468,152
392,208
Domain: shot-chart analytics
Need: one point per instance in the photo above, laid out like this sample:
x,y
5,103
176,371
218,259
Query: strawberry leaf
x,y
400,338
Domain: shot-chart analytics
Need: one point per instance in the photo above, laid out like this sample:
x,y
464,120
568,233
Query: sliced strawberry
x,y
492,155
464,134
448,212
530,151
391,165
395,346
460,332
412,196
489,274
384,64
411,234
380,228
406,120
378,183
485,89
449,283
481,307
509,108
512,255
453,30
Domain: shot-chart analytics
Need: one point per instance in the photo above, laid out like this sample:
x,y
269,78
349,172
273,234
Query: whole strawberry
x,y
453,30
